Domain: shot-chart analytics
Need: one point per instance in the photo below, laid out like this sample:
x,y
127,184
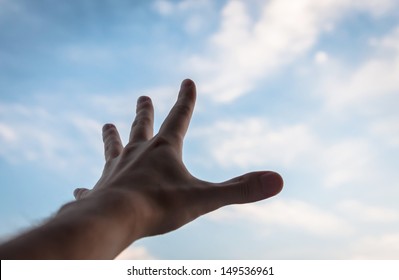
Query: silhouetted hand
x,y
144,190
150,170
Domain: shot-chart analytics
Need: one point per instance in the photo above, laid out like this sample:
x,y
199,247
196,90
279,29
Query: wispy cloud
x,y
29,142
385,246
374,79
289,214
337,126
346,161
245,49
368,214
191,11
41,135
134,252
7,134
256,143
387,130
41,131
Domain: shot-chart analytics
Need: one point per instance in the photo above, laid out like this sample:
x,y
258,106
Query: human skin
x,y
144,190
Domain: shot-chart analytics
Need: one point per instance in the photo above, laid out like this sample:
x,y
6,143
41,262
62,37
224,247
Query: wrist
x,y
105,218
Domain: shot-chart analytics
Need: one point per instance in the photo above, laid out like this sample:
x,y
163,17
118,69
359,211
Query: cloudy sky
x,y
308,88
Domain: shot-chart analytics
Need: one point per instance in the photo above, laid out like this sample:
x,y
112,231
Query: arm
x,y
144,190
97,227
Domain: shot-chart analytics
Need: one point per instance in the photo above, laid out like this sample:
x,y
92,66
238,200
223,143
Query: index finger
x,y
176,123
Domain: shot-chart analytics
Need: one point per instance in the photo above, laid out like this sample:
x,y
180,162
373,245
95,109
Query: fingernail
x,y
142,99
187,83
272,183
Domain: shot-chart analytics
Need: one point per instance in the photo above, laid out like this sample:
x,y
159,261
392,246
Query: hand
x,y
144,190
150,172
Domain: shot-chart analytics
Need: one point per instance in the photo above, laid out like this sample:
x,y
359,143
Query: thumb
x,y
79,193
248,188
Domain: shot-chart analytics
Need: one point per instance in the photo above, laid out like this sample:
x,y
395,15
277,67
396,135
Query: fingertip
x,y
143,99
78,193
188,91
187,83
272,183
108,126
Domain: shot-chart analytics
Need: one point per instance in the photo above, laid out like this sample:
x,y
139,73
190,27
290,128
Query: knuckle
x,y
160,141
183,109
111,140
129,150
245,190
140,121
145,120
111,153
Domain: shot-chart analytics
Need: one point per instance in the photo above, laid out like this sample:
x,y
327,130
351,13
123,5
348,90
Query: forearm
x,y
97,227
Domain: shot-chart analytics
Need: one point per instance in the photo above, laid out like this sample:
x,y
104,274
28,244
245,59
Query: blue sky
x,y
307,88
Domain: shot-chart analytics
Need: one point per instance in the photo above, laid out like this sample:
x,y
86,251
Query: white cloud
x,y
166,8
244,51
194,24
287,214
255,143
90,129
385,246
321,57
387,130
373,80
192,12
389,42
347,161
367,213
7,134
163,7
29,142
37,134
374,7
135,253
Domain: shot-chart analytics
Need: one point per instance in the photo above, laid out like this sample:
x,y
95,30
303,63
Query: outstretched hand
x,y
144,190
149,170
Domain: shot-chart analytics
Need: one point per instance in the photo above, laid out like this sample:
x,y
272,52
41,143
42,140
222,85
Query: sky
x,y
307,88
